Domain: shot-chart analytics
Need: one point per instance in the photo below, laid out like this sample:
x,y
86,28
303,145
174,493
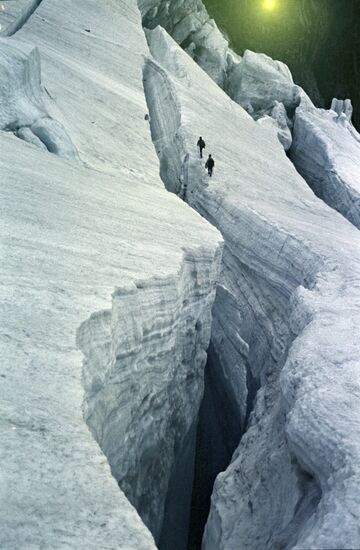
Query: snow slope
x,y
93,247
286,317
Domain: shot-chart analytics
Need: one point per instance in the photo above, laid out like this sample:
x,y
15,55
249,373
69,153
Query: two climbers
x,y
210,163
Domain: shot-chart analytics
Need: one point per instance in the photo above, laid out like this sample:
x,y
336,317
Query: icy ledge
x,y
286,318
144,378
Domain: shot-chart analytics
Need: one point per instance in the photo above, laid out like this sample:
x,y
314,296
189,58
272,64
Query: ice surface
x,y
100,250
266,90
290,266
20,91
343,106
326,151
10,12
281,124
92,245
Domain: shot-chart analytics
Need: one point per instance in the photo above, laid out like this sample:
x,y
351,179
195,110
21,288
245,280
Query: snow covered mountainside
x,y
97,243
113,288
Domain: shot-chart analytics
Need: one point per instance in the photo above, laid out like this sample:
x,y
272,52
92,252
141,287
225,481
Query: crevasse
x,y
144,377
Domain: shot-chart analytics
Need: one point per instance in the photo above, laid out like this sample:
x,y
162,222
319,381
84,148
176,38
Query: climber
x,y
210,163
201,144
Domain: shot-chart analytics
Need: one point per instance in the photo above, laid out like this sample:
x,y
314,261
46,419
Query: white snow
x,y
95,242
290,312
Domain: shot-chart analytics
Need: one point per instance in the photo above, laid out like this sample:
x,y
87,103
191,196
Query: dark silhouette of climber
x,y
201,144
210,163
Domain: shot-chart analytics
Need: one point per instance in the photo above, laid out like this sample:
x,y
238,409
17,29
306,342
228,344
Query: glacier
x,y
120,301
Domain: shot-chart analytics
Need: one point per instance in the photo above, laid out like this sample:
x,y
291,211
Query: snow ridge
x,y
167,138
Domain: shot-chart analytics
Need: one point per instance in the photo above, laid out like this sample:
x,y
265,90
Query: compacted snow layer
x,y
286,318
99,249
143,376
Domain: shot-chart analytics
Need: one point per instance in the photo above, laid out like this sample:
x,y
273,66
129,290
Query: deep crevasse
x,y
280,282
144,378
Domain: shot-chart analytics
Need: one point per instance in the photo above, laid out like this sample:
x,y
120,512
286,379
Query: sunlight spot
x,y
269,5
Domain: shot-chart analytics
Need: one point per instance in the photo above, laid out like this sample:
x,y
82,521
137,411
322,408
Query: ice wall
x,y
326,151
281,319
144,378
100,245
